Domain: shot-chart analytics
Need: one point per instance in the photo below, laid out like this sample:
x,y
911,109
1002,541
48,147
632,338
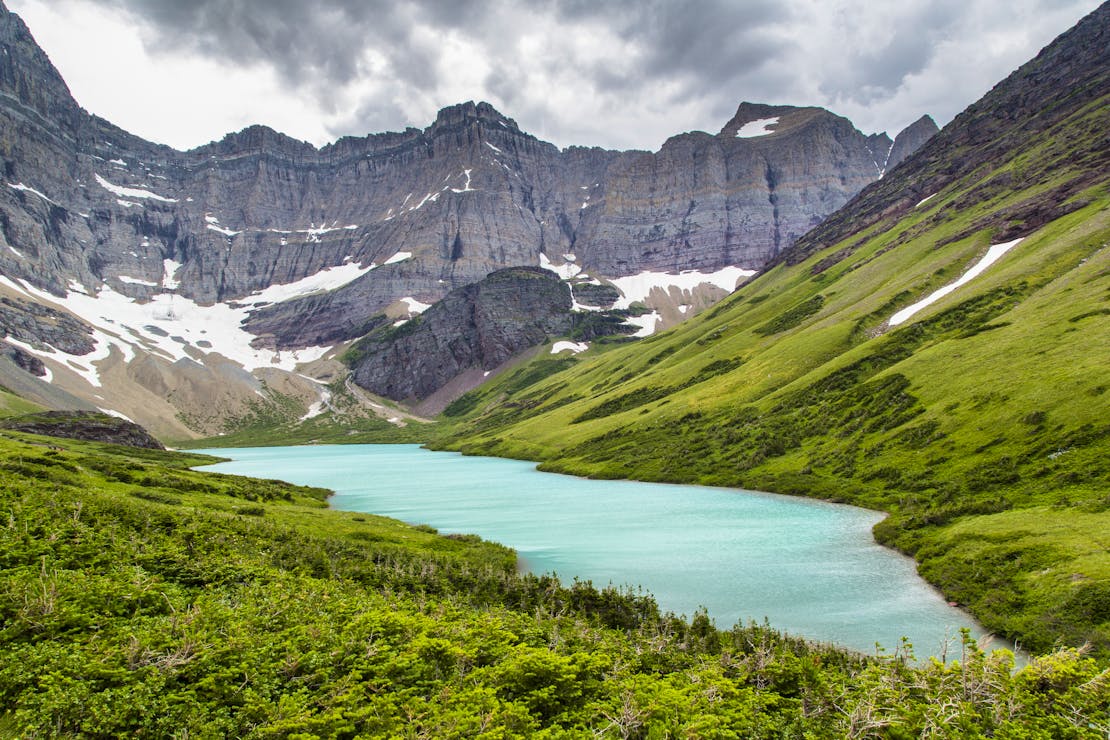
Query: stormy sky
x,y
612,73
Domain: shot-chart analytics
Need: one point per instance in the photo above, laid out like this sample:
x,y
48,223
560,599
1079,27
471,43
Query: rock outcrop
x,y
478,326
91,426
909,140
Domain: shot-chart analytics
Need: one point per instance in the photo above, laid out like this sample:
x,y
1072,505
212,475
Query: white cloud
x,y
183,101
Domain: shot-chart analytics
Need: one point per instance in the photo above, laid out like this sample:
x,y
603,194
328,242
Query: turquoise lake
x,y
811,568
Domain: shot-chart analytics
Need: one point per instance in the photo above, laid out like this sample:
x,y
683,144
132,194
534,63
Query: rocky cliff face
x,y
278,250
478,326
909,140
470,194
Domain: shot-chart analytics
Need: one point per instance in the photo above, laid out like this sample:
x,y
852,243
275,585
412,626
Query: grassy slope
x,y
13,405
981,424
138,597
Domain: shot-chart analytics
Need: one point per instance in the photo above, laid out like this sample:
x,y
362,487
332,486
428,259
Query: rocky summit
x,y
262,253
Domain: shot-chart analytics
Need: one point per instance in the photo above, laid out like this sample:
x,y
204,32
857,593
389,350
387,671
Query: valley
x,y
917,326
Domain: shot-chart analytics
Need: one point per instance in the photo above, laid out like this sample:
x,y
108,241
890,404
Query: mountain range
x,y
208,282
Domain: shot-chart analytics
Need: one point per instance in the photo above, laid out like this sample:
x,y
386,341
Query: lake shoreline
x,y
540,556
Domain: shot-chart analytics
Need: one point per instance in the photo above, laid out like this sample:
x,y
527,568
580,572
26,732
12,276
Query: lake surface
x,y
812,568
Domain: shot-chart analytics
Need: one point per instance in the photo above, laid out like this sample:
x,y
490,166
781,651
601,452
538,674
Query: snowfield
x,y
977,269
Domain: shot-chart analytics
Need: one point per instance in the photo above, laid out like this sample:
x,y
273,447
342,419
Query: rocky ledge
x,y
478,326
87,425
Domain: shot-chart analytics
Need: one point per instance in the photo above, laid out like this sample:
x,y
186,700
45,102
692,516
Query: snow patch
x,y
760,127
647,323
169,269
113,412
565,271
221,230
925,200
319,406
992,255
491,146
28,189
635,288
564,346
399,257
131,192
465,188
329,278
415,306
430,197
137,281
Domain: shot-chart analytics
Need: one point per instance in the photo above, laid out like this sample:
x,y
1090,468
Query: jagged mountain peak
x,y
909,140
256,138
462,114
28,75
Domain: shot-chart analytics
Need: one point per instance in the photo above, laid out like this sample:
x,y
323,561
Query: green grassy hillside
x,y
13,405
141,598
982,424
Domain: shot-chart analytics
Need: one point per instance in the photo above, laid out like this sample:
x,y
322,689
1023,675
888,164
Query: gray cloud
x,y
688,62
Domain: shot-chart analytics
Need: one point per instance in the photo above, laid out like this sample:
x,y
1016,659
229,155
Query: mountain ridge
x,y
302,249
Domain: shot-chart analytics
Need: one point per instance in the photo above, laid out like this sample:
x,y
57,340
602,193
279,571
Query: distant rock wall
x,y
477,326
912,138
85,204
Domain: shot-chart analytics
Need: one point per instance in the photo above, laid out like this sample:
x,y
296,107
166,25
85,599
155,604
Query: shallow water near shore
x,y
810,567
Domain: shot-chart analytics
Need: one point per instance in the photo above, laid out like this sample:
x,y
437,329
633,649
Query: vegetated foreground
x,y
141,597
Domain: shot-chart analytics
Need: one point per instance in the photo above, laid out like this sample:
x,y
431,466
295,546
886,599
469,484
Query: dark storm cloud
x,y
878,63
707,43
316,43
322,43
